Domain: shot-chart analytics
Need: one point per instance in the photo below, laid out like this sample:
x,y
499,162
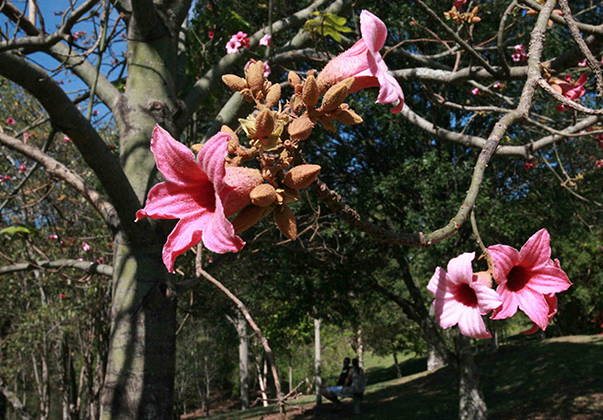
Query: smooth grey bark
x,y
398,371
472,405
360,348
317,361
243,360
434,359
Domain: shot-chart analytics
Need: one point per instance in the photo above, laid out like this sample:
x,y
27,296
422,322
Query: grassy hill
x,y
555,379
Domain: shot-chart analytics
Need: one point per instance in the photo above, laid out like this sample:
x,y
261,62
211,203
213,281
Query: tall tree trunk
x,y
434,358
139,382
317,362
207,387
263,381
398,371
472,405
42,381
290,375
243,360
360,348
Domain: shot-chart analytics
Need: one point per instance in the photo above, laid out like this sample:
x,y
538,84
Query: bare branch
x,y
104,208
87,266
589,29
566,101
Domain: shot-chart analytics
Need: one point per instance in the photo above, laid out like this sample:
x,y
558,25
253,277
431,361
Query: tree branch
x,y
87,266
104,208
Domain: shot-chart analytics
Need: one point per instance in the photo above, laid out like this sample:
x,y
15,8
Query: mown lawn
x,y
555,379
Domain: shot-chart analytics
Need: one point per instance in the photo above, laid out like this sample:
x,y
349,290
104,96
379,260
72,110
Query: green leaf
x,y
11,230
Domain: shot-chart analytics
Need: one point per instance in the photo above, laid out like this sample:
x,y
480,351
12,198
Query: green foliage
x,y
327,24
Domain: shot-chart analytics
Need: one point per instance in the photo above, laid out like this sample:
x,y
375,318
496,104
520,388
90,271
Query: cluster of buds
x,y
459,17
274,132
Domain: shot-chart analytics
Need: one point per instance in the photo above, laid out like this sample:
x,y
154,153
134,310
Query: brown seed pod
x,y
348,117
285,220
264,123
335,97
301,128
273,96
255,76
293,78
248,217
263,195
234,82
310,92
301,176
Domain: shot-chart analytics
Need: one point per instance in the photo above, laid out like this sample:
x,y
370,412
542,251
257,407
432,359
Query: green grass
x,y
555,379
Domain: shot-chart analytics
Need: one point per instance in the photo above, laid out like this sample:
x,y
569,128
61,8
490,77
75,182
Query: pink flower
x,y
520,53
475,91
95,113
599,163
525,277
364,63
459,4
86,247
62,296
79,34
53,236
210,34
25,137
496,85
238,40
460,299
10,121
22,168
266,40
4,178
528,165
582,63
569,89
200,192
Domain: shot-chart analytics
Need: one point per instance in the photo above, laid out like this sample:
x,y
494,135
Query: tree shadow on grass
x,y
552,380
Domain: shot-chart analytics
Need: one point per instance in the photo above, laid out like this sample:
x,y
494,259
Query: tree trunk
x,y
207,387
471,400
360,349
398,371
317,363
434,358
290,375
263,381
139,382
243,360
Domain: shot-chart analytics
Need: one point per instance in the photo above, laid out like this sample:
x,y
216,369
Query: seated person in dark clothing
x,y
332,392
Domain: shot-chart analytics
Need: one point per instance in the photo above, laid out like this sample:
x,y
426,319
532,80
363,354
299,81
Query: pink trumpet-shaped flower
x,y
569,89
459,4
460,299
10,121
525,277
520,53
200,192
266,40
364,63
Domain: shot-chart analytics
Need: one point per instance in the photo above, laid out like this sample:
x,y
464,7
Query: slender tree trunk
x,y
398,371
243,360
434,358
317,362
472,405
42,381
360,348
262,380
207,387
290,375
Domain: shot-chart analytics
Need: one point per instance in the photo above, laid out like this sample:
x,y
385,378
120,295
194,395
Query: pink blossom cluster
x,y
266,40
238,40
5,177
520,53
10,121
570,89
527,279
459,4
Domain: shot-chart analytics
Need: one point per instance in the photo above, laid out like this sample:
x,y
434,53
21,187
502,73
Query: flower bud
x,y
310,92
263,195
247,217
301,176
293,78
234,82
348,117
264,123
301,128
484,278
196,147
255,76
273,96
285,220
335,97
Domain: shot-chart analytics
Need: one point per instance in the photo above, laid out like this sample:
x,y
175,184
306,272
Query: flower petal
x,y
535,306
212,159
219,235
505,258
509,303
471,324
186,234
487,298
373,30
548,280
460,270
174,160
448,311
438,285
531,330
537,250
175,201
